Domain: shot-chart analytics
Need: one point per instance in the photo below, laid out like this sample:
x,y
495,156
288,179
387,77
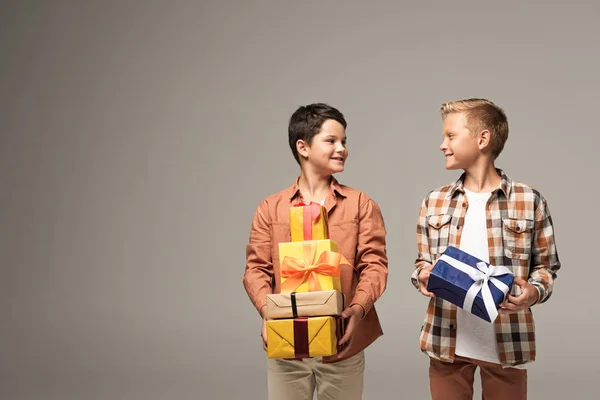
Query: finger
x,y
424,291
511,310
427,269
348,312
343,340
347,336
517,300
525,300
519,281
508,306
505,311
263,334
348,333
344,350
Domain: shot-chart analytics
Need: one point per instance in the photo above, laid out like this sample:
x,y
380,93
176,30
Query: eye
x,y
330,141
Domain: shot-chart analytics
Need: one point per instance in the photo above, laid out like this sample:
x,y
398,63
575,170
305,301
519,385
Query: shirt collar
x,y
458,185
335,187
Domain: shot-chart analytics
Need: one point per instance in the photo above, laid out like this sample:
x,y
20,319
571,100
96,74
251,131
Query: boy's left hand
x,y
528,297
355,314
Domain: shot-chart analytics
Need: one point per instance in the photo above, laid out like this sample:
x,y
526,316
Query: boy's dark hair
x,y
306,122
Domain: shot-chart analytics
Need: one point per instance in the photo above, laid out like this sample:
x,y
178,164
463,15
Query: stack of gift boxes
x,y
303,320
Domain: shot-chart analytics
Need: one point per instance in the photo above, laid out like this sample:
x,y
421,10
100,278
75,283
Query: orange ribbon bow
x,y
297,271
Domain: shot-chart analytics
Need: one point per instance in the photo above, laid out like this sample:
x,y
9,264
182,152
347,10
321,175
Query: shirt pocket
x,y
345,235
439,232
517,237
280,233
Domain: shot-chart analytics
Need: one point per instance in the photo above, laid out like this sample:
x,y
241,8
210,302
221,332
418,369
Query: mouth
x,y
341,159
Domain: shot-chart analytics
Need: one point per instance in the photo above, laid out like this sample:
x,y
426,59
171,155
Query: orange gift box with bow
x,y
310,266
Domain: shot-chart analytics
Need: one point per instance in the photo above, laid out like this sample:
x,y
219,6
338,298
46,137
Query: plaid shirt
x,y
520,237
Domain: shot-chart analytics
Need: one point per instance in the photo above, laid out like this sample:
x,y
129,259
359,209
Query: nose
x,y
443,146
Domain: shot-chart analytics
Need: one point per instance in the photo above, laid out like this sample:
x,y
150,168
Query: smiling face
x,y
327,152
460,147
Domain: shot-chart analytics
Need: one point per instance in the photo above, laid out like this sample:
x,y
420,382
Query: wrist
x,y
358,309
419,271
536,297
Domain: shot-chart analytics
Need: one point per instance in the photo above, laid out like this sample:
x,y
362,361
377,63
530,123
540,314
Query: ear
x,y
302,148
484,139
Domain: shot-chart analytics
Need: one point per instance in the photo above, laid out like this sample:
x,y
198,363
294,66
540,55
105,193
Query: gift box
x,y
305,304
303,337
308,221
470,283
310,266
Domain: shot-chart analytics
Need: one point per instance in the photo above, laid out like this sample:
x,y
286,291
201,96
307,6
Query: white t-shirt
x,y
475,337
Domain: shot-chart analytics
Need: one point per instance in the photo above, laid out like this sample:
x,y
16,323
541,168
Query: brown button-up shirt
x,y
355,224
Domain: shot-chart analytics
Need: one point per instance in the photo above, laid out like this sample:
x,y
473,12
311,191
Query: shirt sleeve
x,y
423,254
259,265
545,262
371,258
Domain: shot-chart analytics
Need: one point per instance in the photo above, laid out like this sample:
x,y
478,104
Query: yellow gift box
x,y
308,221
310,266
303,337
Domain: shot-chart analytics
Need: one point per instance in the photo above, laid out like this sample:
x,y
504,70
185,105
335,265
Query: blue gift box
x,y
453,276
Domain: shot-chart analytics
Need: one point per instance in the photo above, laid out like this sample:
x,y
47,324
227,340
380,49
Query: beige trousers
x,y
297,380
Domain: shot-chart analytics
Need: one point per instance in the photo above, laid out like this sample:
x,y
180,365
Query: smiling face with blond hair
x,y
480,115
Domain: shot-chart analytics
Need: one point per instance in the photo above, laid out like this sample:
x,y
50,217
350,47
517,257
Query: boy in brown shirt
x,y
317,138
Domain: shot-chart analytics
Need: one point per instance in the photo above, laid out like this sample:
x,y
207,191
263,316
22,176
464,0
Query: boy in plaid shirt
x,y
498,220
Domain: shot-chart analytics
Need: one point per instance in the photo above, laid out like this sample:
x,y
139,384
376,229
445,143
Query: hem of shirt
x,y
474,356
498,363
450,359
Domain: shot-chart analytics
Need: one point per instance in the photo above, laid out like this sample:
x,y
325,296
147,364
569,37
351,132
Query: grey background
x,y
138,137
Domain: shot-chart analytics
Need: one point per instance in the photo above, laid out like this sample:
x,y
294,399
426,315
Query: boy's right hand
x,y
424,279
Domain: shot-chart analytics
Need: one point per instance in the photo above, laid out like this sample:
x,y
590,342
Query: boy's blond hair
x,y
481,114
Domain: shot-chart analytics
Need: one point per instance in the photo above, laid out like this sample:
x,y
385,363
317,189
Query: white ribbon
x,y
481,277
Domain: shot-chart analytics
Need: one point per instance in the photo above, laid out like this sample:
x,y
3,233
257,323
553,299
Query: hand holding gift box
x,y
308,221
310,266
470,283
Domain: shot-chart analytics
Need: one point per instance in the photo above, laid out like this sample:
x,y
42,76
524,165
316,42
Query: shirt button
x,y
518,228
458,227
451,326
464,204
